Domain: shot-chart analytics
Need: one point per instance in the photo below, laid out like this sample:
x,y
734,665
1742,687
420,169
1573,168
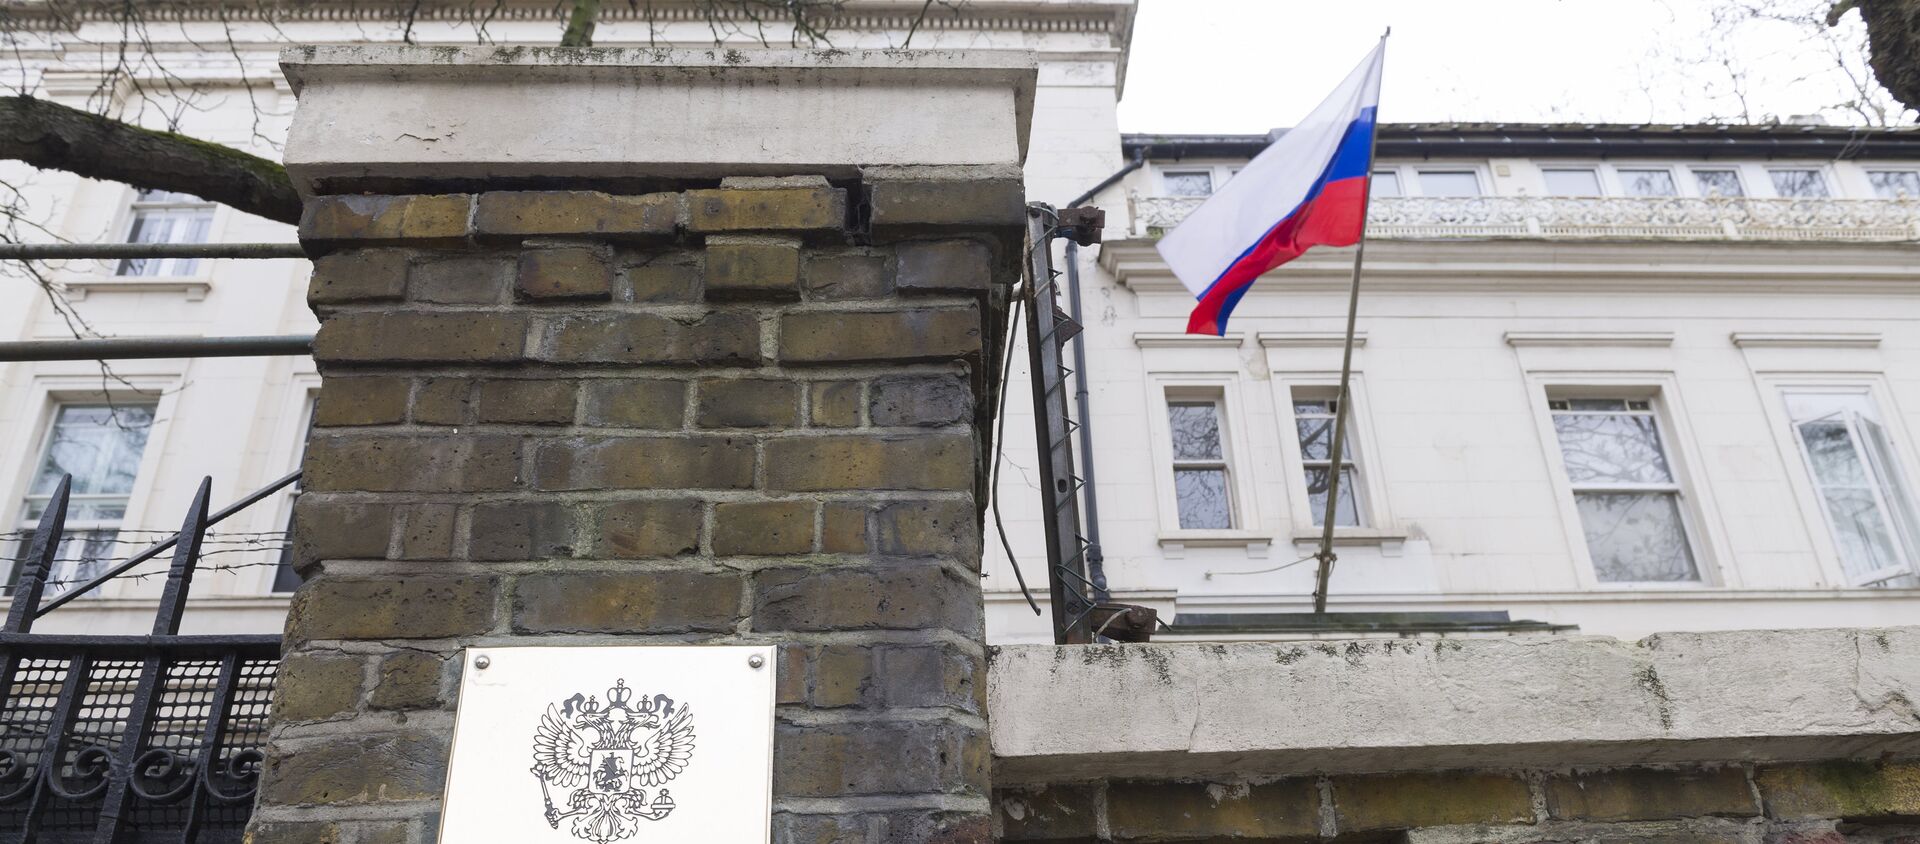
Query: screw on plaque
x,y
482,661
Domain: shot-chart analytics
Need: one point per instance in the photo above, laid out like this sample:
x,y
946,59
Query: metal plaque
x,y
606,744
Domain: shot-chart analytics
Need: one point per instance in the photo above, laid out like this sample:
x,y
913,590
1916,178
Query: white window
x,y
1718,182
165,217
1202,480
1799,184
1865,497
1895,184
1314,413
285,577
1449,182
1625,489
1188,182
1647,182
1384,183
100,446
1572,182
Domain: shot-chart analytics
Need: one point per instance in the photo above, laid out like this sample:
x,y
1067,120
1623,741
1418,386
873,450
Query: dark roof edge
x,y
1556,140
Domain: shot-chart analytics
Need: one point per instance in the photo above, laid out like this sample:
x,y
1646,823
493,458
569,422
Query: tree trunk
x,y
580,24
1893,34
54,137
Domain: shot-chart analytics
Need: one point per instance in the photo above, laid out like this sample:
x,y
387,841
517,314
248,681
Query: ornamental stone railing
x,y
1651,218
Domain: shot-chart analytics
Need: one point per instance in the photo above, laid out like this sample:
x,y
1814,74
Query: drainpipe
x,y
1096,560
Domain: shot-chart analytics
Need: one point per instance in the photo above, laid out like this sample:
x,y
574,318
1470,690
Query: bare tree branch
x,y
55,137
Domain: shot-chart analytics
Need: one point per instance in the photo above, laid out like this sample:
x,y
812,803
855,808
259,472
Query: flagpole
x,y
1335,455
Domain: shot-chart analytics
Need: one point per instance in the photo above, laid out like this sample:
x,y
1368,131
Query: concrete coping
x,y
1196,710
375,115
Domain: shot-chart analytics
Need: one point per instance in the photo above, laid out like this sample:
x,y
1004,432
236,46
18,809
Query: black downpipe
x,y
1096,560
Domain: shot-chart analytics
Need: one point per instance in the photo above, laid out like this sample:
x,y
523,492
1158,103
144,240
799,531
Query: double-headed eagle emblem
x,y
603,759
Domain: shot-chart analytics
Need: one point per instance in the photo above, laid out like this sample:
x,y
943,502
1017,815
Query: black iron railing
x,y
117,739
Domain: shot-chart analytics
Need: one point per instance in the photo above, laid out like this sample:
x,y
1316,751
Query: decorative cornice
x,y
1653,339
1174,340
1806,339
1309,339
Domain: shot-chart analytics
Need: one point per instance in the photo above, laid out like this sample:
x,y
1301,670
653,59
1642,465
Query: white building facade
x,y
1624,379
1618,379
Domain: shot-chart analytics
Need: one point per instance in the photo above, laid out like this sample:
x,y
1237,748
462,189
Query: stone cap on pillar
x,y
381,117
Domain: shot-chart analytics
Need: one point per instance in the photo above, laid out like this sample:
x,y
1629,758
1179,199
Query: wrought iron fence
x,y
117,739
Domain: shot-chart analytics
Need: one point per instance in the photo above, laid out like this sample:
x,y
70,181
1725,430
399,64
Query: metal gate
x,y
116,739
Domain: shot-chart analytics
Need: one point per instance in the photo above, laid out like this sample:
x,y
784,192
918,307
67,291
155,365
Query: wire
x,y
999,448
1209,575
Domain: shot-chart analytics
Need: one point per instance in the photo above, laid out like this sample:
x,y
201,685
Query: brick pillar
x,y
746,414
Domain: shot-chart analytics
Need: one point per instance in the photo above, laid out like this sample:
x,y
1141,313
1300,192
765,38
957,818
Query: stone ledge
x,y
594,114
1277,709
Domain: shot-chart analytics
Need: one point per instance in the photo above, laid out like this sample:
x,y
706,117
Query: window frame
x,y
1223,463
1165,388
1698,512
1773,386
1866,176
1408,173
1691,185
1826,178
1351,453
25,450
1620,182
1378,525
131,208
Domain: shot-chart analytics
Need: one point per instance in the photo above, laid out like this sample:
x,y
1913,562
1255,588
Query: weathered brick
x,y
837,828
747,403
460,280
645,463
1642,794
564,273
1406,801
941,528
661,284
920,400
426,531
763,527
524,530
646,528
888,598
392,607
867,336
774,209
833,404
422,338
404,463
411,680
527,402
1273,811
868,758
961,199
359,275
346,402
752,268
929,676
312,687
443,401
576,213
843,528
394,831
383,768
841,676
943,266
836,277
790,687
1047,813
719,338
934,461
626,602
294,832
1852,790
331,529
634,403
922,826
413,219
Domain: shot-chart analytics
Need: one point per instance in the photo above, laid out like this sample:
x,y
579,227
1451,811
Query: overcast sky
x,y
1251,65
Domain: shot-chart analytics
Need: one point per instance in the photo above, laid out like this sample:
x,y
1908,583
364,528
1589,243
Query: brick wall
x,y
1801,803
745,414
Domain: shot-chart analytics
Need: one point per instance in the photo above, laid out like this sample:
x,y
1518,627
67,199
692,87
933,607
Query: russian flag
x,y
1307,189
